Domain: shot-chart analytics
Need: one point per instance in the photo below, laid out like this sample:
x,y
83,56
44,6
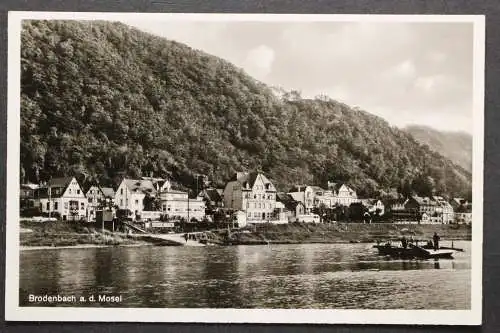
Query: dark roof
x,y
212,194
140,185
60,182
248,180
57,185
108,192
287,200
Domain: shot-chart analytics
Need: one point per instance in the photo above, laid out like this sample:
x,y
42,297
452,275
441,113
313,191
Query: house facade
x,y
344,194
98,199
27,195
304,194
131,193
291,207
252,193
178,204
62,197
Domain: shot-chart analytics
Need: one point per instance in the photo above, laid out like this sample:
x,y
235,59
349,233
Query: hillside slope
x,y
103,100
457,146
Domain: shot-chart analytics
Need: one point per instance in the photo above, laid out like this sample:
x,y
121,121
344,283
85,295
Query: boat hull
x,y
413,252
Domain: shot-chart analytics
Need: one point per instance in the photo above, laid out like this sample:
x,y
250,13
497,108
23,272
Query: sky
x,y
407,73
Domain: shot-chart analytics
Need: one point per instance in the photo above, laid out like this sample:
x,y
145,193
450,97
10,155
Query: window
x,y
69,191
248,205
121,191
249,214
48,205
121,202
56,205
77,191
136,202
82,205
66,205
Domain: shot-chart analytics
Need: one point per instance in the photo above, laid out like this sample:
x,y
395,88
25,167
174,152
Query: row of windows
x,y
66,205
259,205
259,196
259,215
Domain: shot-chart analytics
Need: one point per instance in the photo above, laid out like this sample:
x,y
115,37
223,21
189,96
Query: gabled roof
x,y
57,187
211,194
317,189
59,182
247,180
287,200
108,192
140,185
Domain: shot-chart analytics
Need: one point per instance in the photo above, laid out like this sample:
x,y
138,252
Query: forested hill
x,y
457,146
102,100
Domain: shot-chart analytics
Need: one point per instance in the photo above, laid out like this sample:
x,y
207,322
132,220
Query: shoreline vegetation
x,y
76,235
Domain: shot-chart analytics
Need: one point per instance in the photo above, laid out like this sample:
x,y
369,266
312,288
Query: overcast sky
x,y
407,73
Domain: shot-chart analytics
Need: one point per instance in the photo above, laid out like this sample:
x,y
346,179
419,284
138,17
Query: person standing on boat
x,y
436,239
404,242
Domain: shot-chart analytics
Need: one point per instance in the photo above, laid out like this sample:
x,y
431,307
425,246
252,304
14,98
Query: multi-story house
x,y
344,194
99,198
446,210
304,194
252,193
177,204
131,193
62,197
27,195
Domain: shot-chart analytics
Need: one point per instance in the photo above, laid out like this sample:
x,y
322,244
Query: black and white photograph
x,y
245,168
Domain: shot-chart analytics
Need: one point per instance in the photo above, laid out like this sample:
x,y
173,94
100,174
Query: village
x,y
247,199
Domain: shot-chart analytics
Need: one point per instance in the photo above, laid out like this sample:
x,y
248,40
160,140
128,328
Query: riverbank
x,y
65,234
294,233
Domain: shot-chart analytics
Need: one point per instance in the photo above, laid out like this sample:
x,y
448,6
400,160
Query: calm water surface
x,y
279,276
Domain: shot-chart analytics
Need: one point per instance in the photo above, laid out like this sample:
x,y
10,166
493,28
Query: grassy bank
x,y
69,234
346,232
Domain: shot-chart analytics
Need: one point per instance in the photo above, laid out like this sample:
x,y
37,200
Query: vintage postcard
x,y
245,168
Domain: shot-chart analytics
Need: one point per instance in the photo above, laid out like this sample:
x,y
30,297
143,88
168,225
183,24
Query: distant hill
x,y
104,100
457,146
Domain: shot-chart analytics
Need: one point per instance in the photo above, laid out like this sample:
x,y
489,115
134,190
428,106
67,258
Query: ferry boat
x,y
413,252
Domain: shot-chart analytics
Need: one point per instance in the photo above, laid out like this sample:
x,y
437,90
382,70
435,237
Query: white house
x,y
131,194
63,197
344,194
178,204
252,193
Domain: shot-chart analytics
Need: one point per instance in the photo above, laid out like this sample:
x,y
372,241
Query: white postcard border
x,y
13,312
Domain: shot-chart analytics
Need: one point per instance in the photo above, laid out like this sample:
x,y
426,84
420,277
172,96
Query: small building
x,y
292,207
463,214
374,206
304,194
62,197
240,218
213,197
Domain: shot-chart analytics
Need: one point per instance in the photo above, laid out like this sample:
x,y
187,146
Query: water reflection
x,y
279,276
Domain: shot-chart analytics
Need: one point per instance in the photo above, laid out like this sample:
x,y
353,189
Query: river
x,y
336,276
